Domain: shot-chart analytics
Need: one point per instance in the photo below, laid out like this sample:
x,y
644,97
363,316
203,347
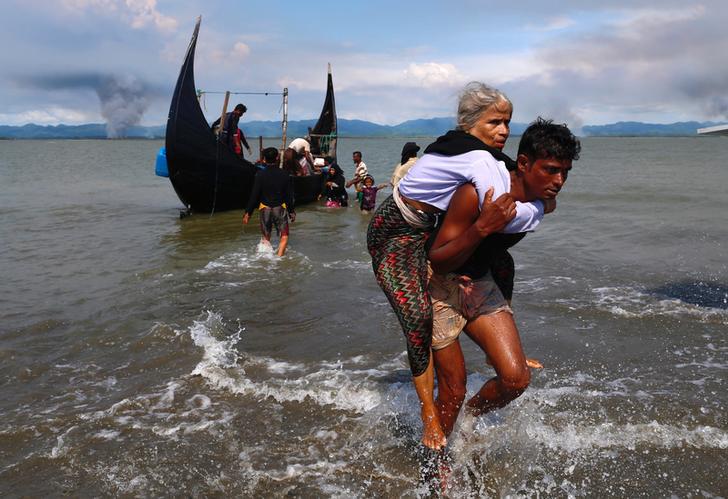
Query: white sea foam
x,y
325,387
107,434
217,352
325,384
537,285
262,257
629,302
573,438
357,265
61,448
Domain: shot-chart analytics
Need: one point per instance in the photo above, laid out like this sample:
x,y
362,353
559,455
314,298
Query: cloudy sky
x,y
581,62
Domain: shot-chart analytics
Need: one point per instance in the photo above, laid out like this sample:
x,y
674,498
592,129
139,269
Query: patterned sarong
x,y
399,261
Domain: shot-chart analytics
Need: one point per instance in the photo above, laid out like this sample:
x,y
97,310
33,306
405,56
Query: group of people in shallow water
x,y
272,191
439,246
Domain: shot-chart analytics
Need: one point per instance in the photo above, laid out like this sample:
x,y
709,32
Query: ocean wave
x,y
326,384
630,302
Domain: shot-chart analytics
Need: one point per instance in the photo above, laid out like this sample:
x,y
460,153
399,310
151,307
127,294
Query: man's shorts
x,y
458,299
278,217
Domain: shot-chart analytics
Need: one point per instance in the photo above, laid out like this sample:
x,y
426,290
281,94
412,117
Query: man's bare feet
x,y
432,435
534,364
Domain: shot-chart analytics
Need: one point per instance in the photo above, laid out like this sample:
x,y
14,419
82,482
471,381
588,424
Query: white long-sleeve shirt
x,y
434,178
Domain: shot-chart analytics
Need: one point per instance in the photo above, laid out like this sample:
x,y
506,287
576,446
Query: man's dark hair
x,y
545,139
270,155
241,108
356,152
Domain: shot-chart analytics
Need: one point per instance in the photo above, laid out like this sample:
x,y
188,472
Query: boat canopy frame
x,y
284,104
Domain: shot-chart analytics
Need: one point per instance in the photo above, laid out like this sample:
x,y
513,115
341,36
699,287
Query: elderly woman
x,y
401,225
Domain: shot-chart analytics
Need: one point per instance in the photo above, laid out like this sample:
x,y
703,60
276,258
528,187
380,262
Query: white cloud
x,y
137,13
145,12
50,116
239,52
659,16
432,74
552,24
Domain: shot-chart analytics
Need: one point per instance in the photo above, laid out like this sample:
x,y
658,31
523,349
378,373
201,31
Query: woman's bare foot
x,y
432,435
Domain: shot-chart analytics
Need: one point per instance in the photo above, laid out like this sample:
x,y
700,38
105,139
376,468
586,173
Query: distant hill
x,y
347,128
430,127
88,131
638,129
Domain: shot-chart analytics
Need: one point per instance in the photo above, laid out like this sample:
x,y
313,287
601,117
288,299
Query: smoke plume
x,y
123,99
123,102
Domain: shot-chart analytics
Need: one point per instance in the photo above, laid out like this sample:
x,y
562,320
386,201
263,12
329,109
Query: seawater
x,y
143,354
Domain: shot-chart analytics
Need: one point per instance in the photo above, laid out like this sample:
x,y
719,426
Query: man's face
x,y
493,126
544,178
357,158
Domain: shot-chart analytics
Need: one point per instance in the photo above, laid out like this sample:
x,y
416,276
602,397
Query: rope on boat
x,y
200,92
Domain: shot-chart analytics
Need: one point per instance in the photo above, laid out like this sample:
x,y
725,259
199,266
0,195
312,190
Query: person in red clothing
x,y
230,133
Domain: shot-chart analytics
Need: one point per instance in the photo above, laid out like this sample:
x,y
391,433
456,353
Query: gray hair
x,y
475,98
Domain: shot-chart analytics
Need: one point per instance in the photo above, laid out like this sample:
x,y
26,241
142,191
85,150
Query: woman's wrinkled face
x,y
494,125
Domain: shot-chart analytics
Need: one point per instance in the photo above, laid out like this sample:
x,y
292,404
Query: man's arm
x,y
243,140
463,228
290,199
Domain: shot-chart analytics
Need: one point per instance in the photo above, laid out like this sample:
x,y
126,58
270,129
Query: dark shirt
x,y
490,250
227,132
272,187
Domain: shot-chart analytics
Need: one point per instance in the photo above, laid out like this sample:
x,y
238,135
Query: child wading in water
x,y
369,194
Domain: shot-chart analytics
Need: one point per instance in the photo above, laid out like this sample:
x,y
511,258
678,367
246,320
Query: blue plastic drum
x,y
160,168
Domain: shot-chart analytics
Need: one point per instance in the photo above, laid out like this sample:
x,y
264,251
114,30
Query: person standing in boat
x,y
303,155
273,195
230,133
291,164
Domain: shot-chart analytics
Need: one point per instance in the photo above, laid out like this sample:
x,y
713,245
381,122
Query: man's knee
x,y
516,379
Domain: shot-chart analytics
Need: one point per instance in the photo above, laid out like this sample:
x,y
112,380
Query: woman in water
x,y
334,191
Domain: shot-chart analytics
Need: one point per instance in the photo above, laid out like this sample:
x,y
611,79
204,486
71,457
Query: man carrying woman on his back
x,y
471,154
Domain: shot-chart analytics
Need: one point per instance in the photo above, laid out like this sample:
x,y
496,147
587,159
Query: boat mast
x,y
224,112
285,122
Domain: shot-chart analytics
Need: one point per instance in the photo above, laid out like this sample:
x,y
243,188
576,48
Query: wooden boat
x,y
206,175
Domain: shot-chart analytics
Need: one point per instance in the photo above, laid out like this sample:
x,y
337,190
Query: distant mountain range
x,y
431,127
